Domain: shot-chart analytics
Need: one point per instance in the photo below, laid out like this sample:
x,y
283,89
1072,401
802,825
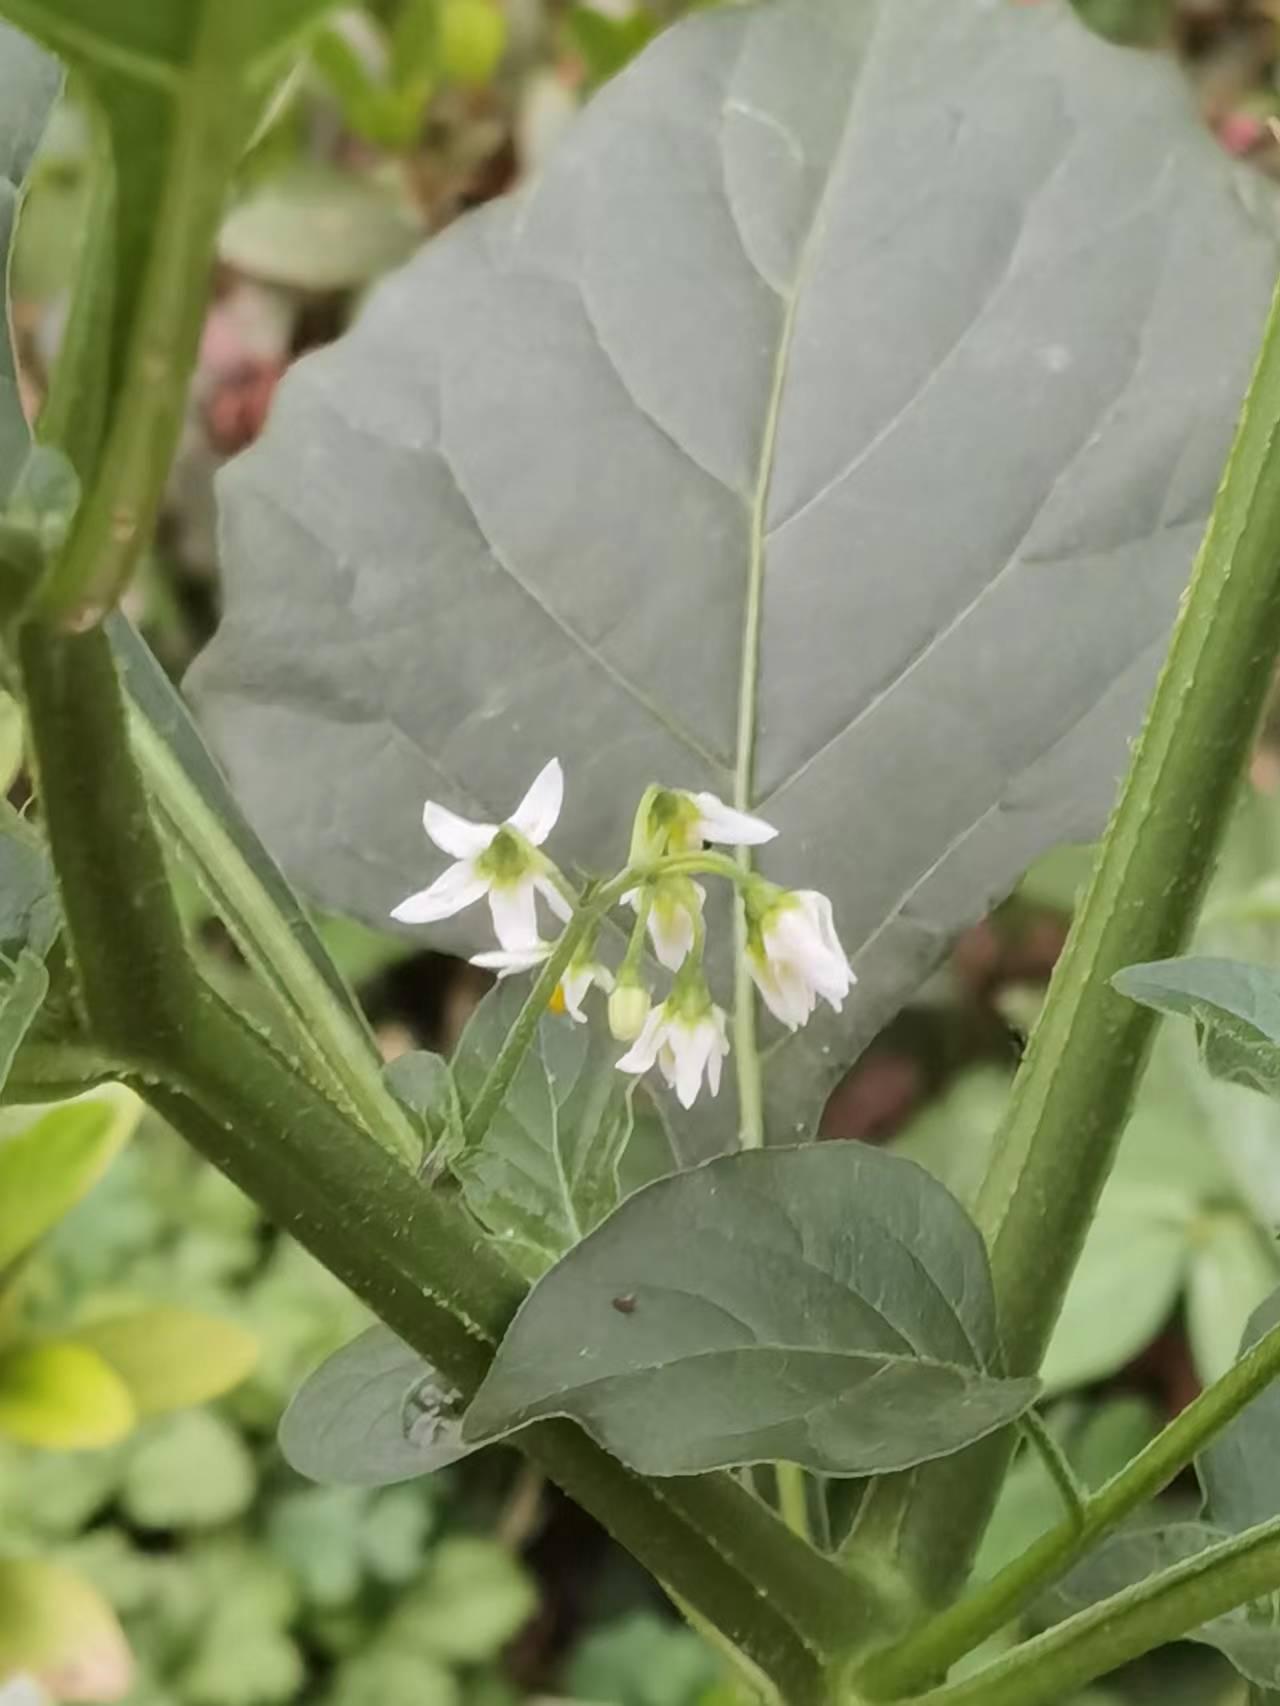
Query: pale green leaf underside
x,y
546,1171
1235,1006
29,81
365,1417
906,325
829,1305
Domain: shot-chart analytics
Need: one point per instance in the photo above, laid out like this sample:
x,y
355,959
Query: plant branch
x,y
929,1651
1052,1666
1072,1491
210,117
1072,1096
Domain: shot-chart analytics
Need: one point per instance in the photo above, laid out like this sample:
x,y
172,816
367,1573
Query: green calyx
x,y
666,823
508,858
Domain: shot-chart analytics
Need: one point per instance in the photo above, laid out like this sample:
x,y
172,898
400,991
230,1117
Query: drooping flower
x,y
686,1038
572,989
675,912
793,952
671,821
497,860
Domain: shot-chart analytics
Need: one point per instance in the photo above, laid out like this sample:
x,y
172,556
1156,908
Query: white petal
x,y
720,822
691,1046
515,913
507,964
535,816
558,903
574,986
452,890
671,931
785,992
644,1051
454,835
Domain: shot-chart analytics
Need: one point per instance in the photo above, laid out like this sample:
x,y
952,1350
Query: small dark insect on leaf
x,y
626,1304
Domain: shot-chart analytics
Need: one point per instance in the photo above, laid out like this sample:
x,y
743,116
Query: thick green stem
x,y
133,974
929,1651
1073,1093
210,116
1050,1668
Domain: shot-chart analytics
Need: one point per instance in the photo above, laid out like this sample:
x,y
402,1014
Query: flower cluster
x,y
792,951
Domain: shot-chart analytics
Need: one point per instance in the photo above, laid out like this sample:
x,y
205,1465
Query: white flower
x,y
719,822
497,860
575,983
573,986
670,821
675,907
794,955
685,1041
629,1007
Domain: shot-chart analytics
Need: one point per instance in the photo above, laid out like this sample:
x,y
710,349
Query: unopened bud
x,y
628,1009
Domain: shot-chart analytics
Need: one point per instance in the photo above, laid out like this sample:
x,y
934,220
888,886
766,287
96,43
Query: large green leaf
x,y
29,912
829,1305
546,1171
1240,1470
1249,1636
28,83
371,1414
906,326
24,983
1235,1006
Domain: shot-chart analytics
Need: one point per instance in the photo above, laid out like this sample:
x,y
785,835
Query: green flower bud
x,y
628,1009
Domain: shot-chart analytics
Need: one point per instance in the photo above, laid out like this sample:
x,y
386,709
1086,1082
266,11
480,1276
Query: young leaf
x,y
49,1159
29,81
56,1628
1240,1470
1248,1636
423,1083
23,987
546,1171
29,912
828,1305
63,1396
371,1414
171,1358
1235,1006
711,353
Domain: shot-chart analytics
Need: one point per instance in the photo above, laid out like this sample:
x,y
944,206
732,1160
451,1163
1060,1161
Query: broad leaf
x,y
373,1413
1249,1636
712,364
63,1396
1233,1268
829,1305
1240,1470
546,1171
171,1358
29,81
1235,1006
321,229
1122,1293
56,1628
50,1157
